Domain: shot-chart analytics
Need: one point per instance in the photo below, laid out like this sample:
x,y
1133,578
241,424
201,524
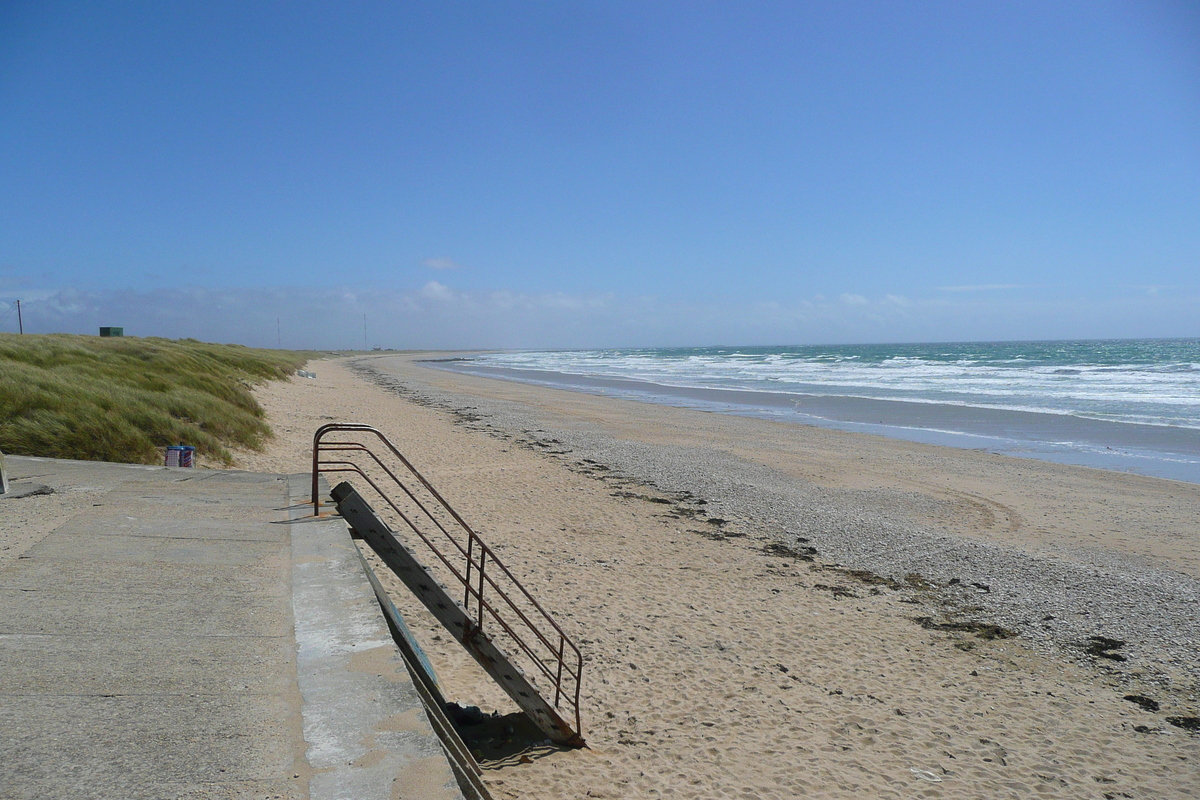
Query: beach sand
x,y
722,662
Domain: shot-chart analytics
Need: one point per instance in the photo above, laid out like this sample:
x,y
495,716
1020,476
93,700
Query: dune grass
x,y
125,399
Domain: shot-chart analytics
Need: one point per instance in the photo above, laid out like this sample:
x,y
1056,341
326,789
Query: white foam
x,y
1154,394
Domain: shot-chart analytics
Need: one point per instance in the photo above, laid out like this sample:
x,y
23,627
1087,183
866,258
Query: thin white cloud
x,y
436,291
1155,289
437,316
984,287
441,263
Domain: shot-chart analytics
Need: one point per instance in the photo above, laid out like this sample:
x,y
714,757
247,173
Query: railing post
x,y
558,678
316,501
467,577
482,560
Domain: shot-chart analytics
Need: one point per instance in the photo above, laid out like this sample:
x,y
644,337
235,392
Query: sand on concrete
x,y
32,510
719,667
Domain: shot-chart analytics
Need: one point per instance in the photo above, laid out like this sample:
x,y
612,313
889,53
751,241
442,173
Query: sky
x,y
600,174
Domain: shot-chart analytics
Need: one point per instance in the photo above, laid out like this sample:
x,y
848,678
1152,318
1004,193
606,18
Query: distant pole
x,y
20,321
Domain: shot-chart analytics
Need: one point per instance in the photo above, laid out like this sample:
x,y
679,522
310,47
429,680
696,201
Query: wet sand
x,y
747,596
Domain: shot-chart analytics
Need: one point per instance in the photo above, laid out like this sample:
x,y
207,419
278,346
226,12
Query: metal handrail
x,y
561,663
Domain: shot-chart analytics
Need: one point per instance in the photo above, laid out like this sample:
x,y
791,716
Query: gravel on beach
x,y
1051,602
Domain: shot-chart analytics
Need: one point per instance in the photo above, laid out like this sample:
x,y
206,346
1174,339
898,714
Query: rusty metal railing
x,y
490,590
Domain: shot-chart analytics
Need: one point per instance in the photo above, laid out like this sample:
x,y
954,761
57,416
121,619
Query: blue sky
x,y
573,174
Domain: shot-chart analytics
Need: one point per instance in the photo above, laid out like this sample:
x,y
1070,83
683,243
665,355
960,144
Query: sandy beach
x,y
772,611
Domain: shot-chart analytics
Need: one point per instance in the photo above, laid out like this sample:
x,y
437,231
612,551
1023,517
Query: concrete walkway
x,y
191,635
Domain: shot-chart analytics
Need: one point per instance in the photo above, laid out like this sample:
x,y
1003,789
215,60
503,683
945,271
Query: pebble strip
x,y
1077,609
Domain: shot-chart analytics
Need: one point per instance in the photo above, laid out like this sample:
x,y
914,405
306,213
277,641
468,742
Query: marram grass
x,y
125,399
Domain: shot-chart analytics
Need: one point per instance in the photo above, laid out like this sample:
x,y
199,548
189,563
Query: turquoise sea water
x,y
1121,404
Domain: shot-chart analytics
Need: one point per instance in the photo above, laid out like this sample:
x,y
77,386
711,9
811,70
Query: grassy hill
x,y
125,399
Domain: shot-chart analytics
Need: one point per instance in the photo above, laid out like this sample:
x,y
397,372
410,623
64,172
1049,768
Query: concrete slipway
x,y
193,634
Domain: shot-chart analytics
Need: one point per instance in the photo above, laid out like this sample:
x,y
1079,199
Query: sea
x,y
1128,405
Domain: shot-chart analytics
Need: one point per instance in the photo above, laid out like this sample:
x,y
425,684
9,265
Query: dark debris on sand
x,y
983,630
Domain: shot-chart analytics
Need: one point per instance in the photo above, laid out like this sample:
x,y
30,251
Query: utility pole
x,y
20,321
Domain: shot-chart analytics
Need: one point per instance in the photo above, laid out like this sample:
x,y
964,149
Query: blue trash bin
x,y
180,455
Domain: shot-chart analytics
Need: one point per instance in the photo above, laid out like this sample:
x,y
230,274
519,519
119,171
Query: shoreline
x,y
1057,594
1154,450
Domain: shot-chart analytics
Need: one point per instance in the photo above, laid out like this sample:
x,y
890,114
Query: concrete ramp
x,y
194,634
